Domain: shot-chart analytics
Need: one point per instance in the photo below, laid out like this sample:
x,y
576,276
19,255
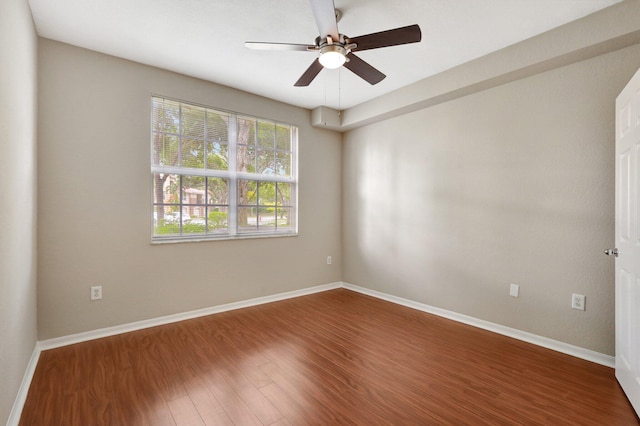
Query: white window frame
x,y
232,175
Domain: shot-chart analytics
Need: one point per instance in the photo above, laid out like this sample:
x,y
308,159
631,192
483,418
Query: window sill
x,y
200,239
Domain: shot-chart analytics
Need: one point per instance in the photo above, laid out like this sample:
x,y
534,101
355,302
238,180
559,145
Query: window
x,y
220,175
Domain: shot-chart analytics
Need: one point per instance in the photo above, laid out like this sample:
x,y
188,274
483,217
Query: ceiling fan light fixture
x,y
333,56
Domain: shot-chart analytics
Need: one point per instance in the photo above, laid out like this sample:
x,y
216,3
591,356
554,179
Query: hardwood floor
x,y
336,357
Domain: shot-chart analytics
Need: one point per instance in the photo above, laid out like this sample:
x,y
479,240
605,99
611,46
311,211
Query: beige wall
x,y
449,205
95,191
18,45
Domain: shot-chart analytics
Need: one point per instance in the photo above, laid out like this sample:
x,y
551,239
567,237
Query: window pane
x,y
193,153
246,158
166,116
217,126
265,162
193,121
164,222
218,220
267,194
218,191
266,206
165,149
191,225
283,219
266,135
266,218
247,219
283,137
166,189
196,214
246,131
283,194
247,196
217,156
193,190
247,192
283,163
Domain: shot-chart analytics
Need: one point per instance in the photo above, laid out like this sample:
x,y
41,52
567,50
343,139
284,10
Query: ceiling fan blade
x,y
363,69
325,13
258,45
307,77
403,35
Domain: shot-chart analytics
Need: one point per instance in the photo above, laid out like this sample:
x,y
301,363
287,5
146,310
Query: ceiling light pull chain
x,y
325,89
339,92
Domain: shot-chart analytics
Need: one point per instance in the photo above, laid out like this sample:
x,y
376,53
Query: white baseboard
x,y
21,397
16,411
139,325
545,342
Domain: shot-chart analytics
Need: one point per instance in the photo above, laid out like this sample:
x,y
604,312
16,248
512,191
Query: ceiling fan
x,y
336,50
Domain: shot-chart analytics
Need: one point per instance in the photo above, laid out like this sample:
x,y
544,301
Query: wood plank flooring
x,y
336,357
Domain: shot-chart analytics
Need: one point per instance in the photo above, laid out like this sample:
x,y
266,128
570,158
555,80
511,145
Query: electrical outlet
x,y
96,292
328,260
578,301
514,290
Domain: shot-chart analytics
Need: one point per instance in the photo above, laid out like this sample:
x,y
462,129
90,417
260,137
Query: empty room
x,y
320,212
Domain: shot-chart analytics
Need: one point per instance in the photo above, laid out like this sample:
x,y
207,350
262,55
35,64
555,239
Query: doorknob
x,y
611,252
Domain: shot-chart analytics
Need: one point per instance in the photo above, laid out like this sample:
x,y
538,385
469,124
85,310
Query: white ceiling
x,y
205,39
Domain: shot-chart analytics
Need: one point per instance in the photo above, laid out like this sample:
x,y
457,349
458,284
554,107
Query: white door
x,y
628,240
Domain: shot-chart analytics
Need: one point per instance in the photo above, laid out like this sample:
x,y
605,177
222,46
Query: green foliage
x,y
165,227
217,220
173,228
189,227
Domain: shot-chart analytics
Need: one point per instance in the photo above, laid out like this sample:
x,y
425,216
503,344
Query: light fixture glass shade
x,y
332,56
